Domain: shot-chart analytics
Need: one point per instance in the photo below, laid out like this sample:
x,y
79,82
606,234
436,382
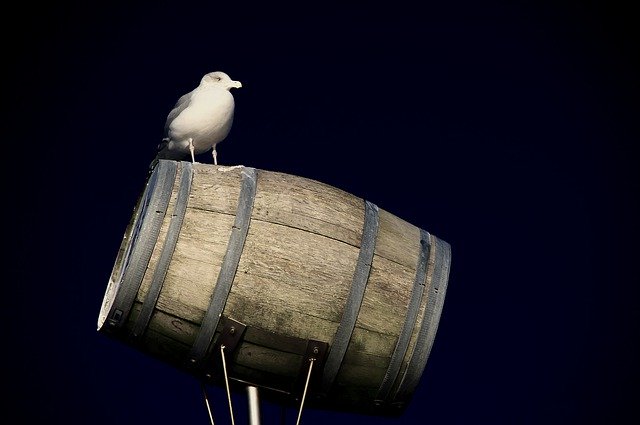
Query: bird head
x,y
220,78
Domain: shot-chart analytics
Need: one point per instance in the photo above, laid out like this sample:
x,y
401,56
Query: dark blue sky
x,y
508,130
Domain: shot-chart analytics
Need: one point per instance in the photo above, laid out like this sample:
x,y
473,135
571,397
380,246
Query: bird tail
x,y
163,151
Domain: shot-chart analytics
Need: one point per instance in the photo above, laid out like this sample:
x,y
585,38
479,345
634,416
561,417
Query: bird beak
x,y
236,84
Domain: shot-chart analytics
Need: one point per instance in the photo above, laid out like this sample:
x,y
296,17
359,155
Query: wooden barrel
x,y
278,274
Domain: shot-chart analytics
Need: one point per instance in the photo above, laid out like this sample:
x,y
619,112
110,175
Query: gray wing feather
x,y
180,106
163,151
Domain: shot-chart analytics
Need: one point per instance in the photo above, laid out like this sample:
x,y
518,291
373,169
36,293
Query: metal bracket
x,y
316,351
230,337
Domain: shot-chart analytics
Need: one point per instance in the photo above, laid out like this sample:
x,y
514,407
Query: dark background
x,y
508,129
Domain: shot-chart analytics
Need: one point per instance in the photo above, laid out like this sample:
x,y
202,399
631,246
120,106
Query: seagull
x,y
200,119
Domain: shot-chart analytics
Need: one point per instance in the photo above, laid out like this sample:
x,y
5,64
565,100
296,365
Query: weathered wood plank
x,y
274,340
158,345
386,297
195,265
309,205
215,188
294,270
268,360
285,321
371,343
174,327
360,374
398,240
157,342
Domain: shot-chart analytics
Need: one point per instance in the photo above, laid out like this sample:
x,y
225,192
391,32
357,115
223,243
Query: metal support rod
x,y
304,393
254,405
226,382
206,402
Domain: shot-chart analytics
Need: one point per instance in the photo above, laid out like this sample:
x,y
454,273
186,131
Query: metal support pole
x,y
254,405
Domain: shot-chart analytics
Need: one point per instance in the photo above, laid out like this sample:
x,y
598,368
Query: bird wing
x,y
180,106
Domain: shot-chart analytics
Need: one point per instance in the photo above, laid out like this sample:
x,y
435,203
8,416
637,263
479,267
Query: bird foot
x,y
191,149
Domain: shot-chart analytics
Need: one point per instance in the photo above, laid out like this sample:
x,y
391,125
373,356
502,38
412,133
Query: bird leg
x,y
191,149
215,156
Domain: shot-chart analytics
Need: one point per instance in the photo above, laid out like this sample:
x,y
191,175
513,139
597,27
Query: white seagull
x,y
200,119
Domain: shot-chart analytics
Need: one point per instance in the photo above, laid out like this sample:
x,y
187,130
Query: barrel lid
x,y
126,247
